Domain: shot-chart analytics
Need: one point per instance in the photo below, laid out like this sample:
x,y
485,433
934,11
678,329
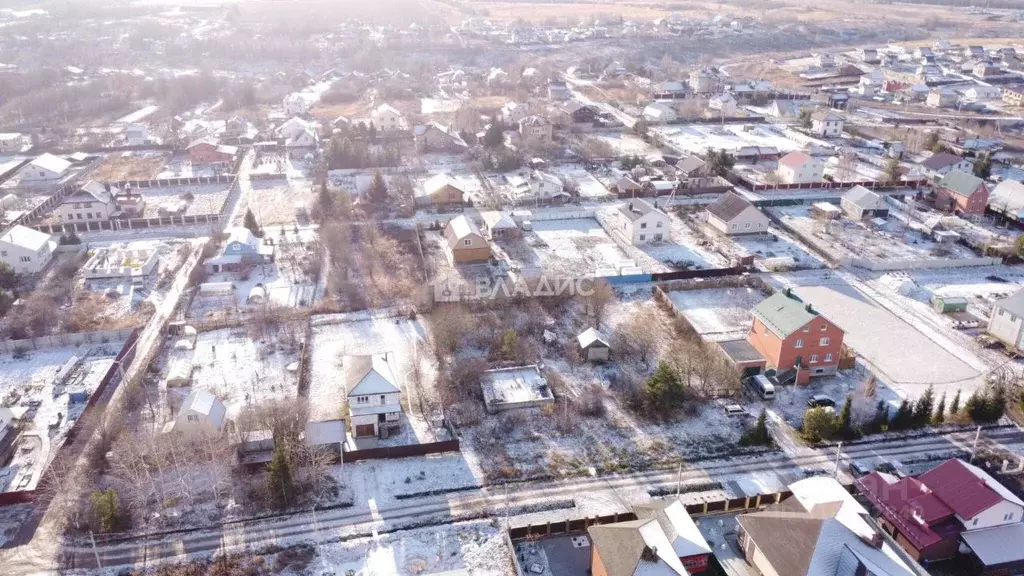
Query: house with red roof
x,y
799,168
952,509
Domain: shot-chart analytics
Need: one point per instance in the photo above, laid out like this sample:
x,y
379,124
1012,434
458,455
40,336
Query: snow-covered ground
x,y
181,167
697,138
718,314
688,247
31,384
206,198
589,187
337,336
576,247
277,202
625,144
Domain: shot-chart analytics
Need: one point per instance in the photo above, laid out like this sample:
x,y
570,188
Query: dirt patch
x,y
119,168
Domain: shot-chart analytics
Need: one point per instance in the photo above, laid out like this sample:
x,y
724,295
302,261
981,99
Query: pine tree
x,y
106,508
325,203
983,166
975,406
845,416
378,193
495,134
250,223
881,420
924,407
940,411
280,484
758,435
904,416
664,389
892,170
508,344
954,406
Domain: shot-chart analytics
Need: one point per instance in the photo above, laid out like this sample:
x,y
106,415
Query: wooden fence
x,y
401,451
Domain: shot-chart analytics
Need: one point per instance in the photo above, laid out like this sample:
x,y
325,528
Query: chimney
x,y
649,554
809,308
630,206
788,292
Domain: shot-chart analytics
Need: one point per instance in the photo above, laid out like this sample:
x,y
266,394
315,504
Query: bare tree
x,y
598,300
639,334
846,168
448,324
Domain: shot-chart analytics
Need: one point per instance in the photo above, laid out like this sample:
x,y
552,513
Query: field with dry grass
x,y
131,167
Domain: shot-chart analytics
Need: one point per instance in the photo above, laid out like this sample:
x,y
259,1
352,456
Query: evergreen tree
x,y
924,407
805,119
495,135
250,223
106,508
664,389
983,166
508,344
975,406
280,484
378,192
904,416
819,424
891,172
931,141
940,411
846,416
759,434
325,203
881,419
954,406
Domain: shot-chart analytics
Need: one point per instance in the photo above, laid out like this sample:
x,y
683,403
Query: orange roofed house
x,y
794,338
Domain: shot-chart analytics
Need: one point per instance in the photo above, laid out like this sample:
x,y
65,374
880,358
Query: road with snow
x,y
367,518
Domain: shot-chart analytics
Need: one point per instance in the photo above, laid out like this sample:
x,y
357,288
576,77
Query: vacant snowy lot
x,y
902,356
719,314
775,250
337,336
697,138
206,198
277,202
577,248
589,187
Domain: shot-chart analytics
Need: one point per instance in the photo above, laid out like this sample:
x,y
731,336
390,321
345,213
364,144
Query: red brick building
x,y
209,152
791,334
962,193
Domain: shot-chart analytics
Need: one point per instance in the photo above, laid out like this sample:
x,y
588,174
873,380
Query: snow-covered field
x,y
239,369
589,187
624,143
206,198
697,138
719,314
277,202
772,249
181,167
576,247
688,248
31,383
336,336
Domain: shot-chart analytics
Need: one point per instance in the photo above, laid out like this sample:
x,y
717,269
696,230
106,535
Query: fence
x,y
885,265
401,451
180,181
128,224
73,339
6,175
112,377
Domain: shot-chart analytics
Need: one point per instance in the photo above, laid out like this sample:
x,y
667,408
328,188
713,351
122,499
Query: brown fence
x,y
127,224
401,451
112,377
740,180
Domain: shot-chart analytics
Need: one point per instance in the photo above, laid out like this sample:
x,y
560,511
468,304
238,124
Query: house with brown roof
x,y
733,214
465,241
800,168
663,541
794,338
953,508
439,190
942,163
962,192
819,530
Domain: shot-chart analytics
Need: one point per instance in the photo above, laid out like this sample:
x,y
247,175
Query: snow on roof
x,y
638,208
862,197
495,220
680,529
624,547
795,159
52,163
591,336
998,545
965,488
462,227
1008,195
243,235
371,374
206,404
437,182
386,109
783,314
25,237
728,206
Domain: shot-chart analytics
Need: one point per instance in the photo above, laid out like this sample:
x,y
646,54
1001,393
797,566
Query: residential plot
x,y
576,247
130,166
697,138
718,314
775,251
277,202
588,186
197,200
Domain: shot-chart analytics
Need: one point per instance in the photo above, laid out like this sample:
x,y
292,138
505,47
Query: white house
x,y
12,142
643,222
513,113
800,168
732,214
200,412
387,119
298,103
1007,321
305,139
724,103
860,203
292,127
136,135
545,186
45,168
25,250
374,397
90,203
659,113
982,92
783,109
826,124
942,163
941,98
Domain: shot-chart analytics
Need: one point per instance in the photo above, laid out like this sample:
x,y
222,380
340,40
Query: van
x,y
764,386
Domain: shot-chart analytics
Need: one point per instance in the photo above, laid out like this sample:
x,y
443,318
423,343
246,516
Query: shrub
x,y
759,434
819,424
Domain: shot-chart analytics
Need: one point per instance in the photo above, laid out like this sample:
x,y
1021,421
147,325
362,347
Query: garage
x,y
364,430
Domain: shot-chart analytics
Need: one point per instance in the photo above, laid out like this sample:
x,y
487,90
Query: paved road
x,y
367,517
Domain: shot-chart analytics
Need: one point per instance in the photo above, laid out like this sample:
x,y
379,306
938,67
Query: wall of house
x,y
758,560
90,211
463,254
447,195
973,204
809,172
995,515
750,221
782,354
596,565
32,173
363,420
15,257
647,228
1005,326
598,353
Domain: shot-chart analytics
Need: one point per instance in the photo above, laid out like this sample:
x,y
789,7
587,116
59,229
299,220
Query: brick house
x,y
962,193
207,151
793,336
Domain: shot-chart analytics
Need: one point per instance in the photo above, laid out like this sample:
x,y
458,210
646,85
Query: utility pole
x,y
839,453
92,538
679,479
974,448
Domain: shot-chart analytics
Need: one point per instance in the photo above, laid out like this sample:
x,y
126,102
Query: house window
x,y
468,242
382,398
746,225
193,418
3,253
799,343
643,225
658,225
1008,516
657,237
26,258
362,399
807,328
828,357
643,237
974,522
87,205
76,205
823,341
814,359
824,327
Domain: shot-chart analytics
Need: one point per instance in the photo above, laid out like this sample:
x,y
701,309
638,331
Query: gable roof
x,y
591,336
825,116
496,220
370,375
1013,304
941,160
690,164
1007,195
461,226
795,159
679,528
965,488
862,197
206,404
961,183
636,209
783,314
622,547
728,206
243,235
51,163
785,107
386,108
25,237
787,539
439,181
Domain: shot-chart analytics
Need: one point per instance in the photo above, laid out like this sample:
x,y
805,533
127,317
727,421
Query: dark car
x,y
821,401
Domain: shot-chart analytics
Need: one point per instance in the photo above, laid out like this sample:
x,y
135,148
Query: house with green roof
x,y
962,193
794,338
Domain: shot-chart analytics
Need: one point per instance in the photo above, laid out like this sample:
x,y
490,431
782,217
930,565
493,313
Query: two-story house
x,y
25,250
45,168
955,508
373,395
512,113
465,241
208,151
1007,321
663,541
242,250
800,168
90,203
826,124
963,193
536,128
386,118
733,214
942,163
435,137
439,190
643,222
792,336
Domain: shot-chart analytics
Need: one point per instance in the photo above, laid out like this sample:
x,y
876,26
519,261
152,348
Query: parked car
x,y
858,468
734,410
892,467
821,401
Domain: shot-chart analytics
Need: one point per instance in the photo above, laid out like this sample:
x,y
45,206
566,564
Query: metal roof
x,y
783,314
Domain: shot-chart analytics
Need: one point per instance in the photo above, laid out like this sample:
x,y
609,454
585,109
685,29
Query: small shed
x,y
947,304
179,375
945,236
257,295
594,346
825,211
